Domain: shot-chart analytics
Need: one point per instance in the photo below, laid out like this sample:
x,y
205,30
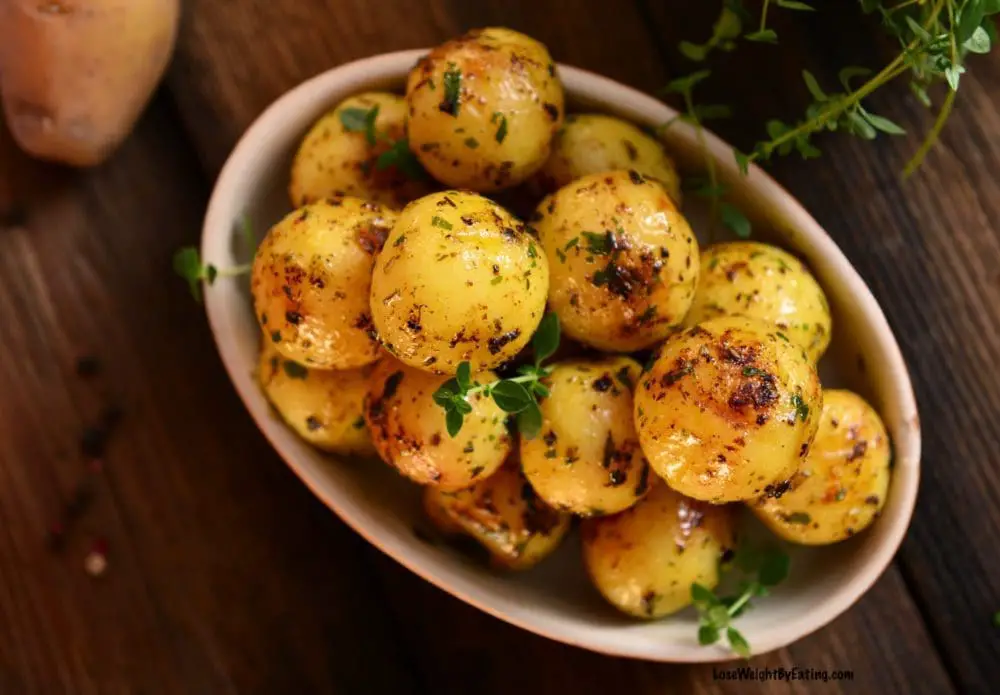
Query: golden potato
x,y
409,433
337,157
592,143
484,108
460,279
74,76
623,260
645,559
841,486
324,407
728,410
747,278
587,459
504,515
311,278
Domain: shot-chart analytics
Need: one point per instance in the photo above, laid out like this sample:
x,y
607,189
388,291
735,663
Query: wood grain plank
x,y
928,247
221,564
226,72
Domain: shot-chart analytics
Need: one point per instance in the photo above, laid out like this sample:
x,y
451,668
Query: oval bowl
x,y
555,599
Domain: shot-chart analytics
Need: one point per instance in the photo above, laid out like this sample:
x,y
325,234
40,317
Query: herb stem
x,y
235,271
763,15
743,600
932,137
523,379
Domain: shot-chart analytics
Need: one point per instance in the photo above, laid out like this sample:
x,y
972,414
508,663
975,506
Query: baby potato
x,y
747,278
409,432
337,157
587,459
623,260
324,407
728,410
484,108
841,486
591,143
311,278
645,559
460,279
504,515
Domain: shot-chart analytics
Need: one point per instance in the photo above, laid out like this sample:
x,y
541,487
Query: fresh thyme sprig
x,y
189,265
357,120
716,614
517,395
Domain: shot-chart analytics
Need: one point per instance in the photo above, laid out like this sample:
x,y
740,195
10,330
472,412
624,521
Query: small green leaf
x,y
738,643
733,218
969,20
598,244
849,72
813,86
775,128
882,123
921,93
857,125
710,112
441,223
461,405
774,568
371,135
693,51
529,421
979,42
702,594
684,85
452,90
353,119
446,393
511,396
742,162
918,31
400,156
953,73
502,128
464,376
996,619
795,5
763,36
718,616
708,634
546,339
727,26
801,408
187,264
453,422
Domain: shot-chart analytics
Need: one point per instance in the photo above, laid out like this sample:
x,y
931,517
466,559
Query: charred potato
x,y
324,407
645,559
311,278
841,486
760,281
409,430
460,279
340,154
592,143
622,258
728,410
587,459
484,108
504,515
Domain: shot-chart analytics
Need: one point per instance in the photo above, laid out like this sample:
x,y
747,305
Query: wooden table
x,y
226,576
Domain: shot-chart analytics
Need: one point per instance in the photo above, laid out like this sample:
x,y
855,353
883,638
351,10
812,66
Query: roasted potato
x,y
747,278
645,559
76,75
591,143
587,460
728,410
460,279
339,155
622,258
324,407
311,278
841,486
504,515
409,432
484,108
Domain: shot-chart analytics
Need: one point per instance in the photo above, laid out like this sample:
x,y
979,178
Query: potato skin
x,y
460,279
747,278
504,515
728,410
587,459
409,433
622,258
75,76
311,278
591,143
324,407
841,486
494,128
644,559
334,161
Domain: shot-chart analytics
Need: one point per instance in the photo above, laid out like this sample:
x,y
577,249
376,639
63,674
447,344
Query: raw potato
x,y
409,431
504,515
460,279
324,407
622,258
74,76
645,559
335,161
728,410
587,459
592,143
311,278
841,486
484,108
746,278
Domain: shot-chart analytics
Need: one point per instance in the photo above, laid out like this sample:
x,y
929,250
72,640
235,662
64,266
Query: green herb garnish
x,y
441,223
801,409
599,244
400,156
189,265
356,120
502,128
452,90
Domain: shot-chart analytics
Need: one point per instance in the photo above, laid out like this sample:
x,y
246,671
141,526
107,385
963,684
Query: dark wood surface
x,y
226,576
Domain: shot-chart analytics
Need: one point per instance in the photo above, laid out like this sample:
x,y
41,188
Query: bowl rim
x,y
577,82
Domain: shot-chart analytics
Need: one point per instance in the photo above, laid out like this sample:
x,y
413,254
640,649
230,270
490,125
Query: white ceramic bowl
x,y
555,599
